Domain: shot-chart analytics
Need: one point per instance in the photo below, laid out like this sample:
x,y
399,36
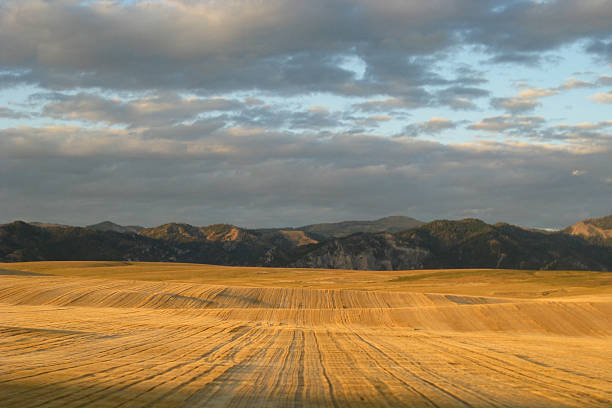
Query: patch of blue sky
x,y
17,99
569,106
354,64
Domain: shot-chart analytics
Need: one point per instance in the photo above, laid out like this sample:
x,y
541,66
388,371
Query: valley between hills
x,y
131,334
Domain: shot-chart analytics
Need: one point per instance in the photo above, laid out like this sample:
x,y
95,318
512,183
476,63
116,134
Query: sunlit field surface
x,y
102,334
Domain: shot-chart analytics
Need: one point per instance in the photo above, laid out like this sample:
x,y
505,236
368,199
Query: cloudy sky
x,y
288,112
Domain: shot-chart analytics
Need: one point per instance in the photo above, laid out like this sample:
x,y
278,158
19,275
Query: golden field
x,y
118,334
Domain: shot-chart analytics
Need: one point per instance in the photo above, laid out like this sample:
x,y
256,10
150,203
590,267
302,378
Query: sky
x,y
288,112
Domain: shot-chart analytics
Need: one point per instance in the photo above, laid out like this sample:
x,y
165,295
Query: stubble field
x,y
102,334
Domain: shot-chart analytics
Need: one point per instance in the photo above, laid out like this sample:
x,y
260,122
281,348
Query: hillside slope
x,y
345,228
111,226
104,341
20,241
467,243
595,230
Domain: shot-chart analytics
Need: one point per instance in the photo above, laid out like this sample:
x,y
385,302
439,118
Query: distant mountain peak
x,y
394,223
598,230
111,226
603,222
181,232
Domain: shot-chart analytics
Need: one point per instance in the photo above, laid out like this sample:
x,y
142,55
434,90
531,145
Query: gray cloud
x,y
523,29
276,178
461,97
602,48
11,114
316,117
605,80
389,104
586,126
169,109
284,46
515,105
585,135
432,126
508,122
372,121
155,110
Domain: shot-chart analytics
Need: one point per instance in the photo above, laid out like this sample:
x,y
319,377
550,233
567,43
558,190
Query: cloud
x,y
585,126
508,122
528,99
11,114
316,117
519,31
385,105
605,80
381,118
573,83
515,105
461,97
586,135
535,93
284,178
525,101
372,121
155,110
432,126
602,48
169,109
285,46
602,97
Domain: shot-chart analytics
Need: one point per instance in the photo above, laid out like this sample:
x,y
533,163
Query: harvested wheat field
x,y
100,334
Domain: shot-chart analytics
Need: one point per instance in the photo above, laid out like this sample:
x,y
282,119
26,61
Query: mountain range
x,y
391,243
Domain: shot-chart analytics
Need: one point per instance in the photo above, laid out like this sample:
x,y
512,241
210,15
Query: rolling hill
x,y
124,334
111,226
468,243
596,230
345,228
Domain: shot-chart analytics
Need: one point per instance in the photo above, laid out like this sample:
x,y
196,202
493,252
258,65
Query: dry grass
x,y
168,335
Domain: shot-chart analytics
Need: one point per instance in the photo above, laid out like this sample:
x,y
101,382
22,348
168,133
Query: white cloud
x,y
602,97
573,83
507,122
535,93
